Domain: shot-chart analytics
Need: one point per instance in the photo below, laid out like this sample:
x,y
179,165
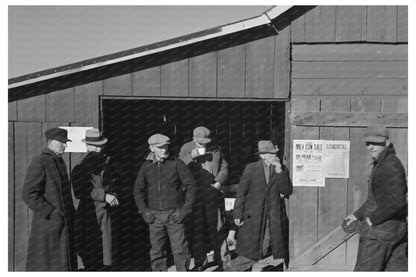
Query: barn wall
x,y
260,69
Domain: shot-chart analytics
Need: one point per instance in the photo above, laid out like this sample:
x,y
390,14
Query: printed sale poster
x,y
308,163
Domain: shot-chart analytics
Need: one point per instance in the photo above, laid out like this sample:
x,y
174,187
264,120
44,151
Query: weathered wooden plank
x,y
305,105
362,104
381,23
350,52
394,105
402,24
320,24
298,29
175,78
11,196
203,75
349,86
147,82
282,64
348,119
231,71
12,111
352,249
120,85
358,70
21,210
86,107
60,105
351,23
325,245
260,64
32,109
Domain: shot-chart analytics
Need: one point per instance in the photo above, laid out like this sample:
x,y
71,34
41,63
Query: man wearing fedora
x,y
260,213
94,182
164,192
47,192
210,170
383,217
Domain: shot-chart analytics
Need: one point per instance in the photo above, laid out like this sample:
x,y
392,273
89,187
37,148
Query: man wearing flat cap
x,y
47,192
210,170
383,216
260,213
159,194
94,181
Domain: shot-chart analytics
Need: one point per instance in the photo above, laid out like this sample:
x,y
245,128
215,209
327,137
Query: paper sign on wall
x,y
76,134
337,159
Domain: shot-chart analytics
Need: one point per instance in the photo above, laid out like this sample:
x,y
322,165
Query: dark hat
x,y
158,140
376,133
93,137
58,134
266,146
201,134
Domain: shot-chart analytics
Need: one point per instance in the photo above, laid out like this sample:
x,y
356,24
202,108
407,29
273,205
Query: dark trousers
x,y
205,236
162,229
373,255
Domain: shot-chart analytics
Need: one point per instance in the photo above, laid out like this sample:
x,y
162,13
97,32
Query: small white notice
x,y
76,134
229,203
337,159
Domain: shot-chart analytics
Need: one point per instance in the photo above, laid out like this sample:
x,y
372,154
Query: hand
x,y
217,185
55,214
238,222
369,221
148,217
111,200
231,242
178,216
194,153
277,166
351,218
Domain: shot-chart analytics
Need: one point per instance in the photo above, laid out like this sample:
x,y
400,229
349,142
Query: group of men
x,y
174,195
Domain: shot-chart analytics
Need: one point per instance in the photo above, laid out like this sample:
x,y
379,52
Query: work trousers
x,y
162,229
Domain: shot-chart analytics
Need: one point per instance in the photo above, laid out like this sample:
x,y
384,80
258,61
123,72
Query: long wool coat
x,y
254,199
47,190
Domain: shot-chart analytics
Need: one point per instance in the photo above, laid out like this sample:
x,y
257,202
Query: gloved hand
x,y
350,228
179,215
148,217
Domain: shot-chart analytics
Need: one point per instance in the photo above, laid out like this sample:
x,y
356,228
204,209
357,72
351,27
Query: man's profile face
x,y
161,152
270,158
57,146
375,148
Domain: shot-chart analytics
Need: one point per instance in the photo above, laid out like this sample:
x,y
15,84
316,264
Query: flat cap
x,y
58,134
201,134
376,133
158,140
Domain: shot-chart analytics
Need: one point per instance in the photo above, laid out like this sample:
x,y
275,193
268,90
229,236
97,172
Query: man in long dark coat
x,y
47,192
383,217
210,170
259,210
94,181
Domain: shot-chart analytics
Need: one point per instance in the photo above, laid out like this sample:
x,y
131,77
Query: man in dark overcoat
x,y
383,217
210,170
259,210
94,181
47,192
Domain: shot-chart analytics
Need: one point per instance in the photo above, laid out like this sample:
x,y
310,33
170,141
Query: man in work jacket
x,y
158,192
383,217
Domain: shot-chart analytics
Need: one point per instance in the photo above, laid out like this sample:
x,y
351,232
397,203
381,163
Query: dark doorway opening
x,y
235,125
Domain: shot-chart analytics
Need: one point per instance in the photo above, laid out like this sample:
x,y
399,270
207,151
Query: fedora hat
x,y
266,146
93,137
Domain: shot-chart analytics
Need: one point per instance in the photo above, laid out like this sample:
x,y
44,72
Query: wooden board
x,y
363,104
298,29
402,24
21,210
351,23
11,196
86,106
175,78
12,111
350,52
120,85
394,105
358,70
147,82
320,24
381,23
231,72
203,75
32,109
60,105
323,86
282,64
260,65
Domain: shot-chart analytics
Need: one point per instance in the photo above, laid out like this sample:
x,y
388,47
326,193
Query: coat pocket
x,y
390,231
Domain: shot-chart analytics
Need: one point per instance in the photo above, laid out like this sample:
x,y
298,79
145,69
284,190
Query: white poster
x,y
76,134
308,163
337,159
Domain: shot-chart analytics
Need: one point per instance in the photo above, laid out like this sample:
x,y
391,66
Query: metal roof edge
x,y
263,19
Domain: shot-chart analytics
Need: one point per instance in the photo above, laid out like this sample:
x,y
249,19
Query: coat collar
x,y
389,150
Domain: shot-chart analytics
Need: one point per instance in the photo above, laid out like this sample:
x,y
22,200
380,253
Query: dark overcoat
x,y
254,199
47,190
